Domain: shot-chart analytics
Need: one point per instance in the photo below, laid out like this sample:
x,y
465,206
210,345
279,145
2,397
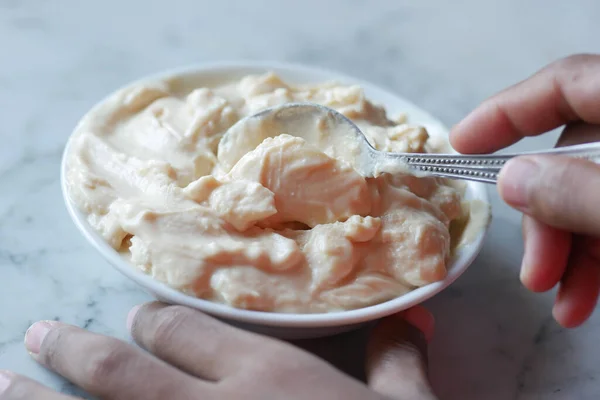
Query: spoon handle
x,y
485,168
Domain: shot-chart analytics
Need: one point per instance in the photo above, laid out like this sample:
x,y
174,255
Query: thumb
x,y
397,356
562,192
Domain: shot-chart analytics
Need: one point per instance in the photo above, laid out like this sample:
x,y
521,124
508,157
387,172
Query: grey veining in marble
x,y
494,341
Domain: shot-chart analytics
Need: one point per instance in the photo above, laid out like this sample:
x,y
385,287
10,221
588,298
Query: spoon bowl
x,y
320,126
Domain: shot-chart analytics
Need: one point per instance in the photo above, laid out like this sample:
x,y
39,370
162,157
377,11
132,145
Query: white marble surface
x,y
494,341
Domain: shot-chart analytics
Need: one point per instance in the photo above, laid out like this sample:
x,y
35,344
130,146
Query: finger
x,y
579,289
579,133
561,192
107,367
546,255
422,319
193,341
397,359
565,91
16,387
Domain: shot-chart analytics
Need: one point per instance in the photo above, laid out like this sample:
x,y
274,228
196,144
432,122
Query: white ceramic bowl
x,y
290,326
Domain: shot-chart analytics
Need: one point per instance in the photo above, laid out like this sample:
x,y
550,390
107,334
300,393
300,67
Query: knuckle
x,y
573,69
574,61
550,207
407,349
106,361
555,204
574,80
51,353
402,354
399,341
166,323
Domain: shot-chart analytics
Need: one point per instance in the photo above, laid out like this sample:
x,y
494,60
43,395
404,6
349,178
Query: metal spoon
x,y
296,119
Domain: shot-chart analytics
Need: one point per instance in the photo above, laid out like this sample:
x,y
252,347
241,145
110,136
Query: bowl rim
x,y
462,260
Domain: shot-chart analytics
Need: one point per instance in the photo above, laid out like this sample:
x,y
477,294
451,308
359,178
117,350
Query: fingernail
x,y
131,317
5,379
516,180
524,273
35,336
